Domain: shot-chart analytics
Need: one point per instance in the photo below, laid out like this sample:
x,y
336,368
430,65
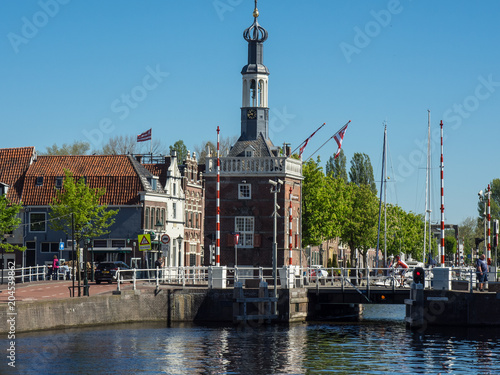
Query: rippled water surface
x,y
373,346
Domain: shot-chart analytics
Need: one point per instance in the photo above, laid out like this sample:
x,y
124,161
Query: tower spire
x,y
254,108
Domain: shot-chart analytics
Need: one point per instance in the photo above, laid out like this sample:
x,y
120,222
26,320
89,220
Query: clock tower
x,y
254,109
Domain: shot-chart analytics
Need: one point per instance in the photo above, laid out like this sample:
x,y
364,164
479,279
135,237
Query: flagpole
x,y
151,145
327,141
308,137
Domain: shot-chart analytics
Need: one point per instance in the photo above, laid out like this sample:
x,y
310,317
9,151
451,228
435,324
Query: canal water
x,y
379,344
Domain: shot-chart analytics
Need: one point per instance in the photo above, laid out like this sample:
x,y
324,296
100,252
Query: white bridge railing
x,y
287,277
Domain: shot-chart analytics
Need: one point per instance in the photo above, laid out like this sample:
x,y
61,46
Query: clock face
x,y
251,114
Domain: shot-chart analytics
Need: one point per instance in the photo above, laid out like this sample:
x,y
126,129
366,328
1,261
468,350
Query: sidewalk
x,y
58,289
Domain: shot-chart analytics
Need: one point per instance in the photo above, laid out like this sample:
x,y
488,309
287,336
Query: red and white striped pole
x,y
290,230
442,252
217,203
488,255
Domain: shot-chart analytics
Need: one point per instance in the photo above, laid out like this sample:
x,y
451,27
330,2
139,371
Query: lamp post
x,y
159,228
275,189
179,242
236,240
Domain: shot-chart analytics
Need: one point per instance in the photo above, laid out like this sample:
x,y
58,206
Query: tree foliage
x,y
181,150
79,204
76,148
337,167
361,172
9,221
360,227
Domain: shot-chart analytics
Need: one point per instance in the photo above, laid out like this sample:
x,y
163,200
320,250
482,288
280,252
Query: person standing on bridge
x,y
481,272
398,263
55,267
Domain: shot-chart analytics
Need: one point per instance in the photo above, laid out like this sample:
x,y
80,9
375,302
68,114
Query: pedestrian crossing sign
x,y
144,242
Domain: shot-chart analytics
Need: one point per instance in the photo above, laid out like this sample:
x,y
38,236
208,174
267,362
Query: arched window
x,y
146,221
152,218
253,94
260,95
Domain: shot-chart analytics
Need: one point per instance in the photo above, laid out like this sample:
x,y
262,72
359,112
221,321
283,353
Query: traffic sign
x,y
144,242
61,245
165,238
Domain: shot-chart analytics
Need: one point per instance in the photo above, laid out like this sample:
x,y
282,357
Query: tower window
x,y
244,191
253,93
244,225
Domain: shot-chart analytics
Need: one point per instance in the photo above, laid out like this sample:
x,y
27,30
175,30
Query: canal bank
x,y
166,305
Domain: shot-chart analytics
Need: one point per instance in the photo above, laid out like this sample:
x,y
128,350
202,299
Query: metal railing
x,y
288,277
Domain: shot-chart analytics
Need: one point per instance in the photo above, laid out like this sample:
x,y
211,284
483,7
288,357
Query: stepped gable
x,y
115,173
14,162
260,147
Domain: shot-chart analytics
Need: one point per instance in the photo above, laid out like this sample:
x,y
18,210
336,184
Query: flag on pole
x,y
146,136
307,140
339,136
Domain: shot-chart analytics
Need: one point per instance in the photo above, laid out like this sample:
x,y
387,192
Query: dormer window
x,y
59,182
39,181
3,188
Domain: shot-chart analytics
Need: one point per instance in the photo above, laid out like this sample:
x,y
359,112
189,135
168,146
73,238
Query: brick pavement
x,y
57,289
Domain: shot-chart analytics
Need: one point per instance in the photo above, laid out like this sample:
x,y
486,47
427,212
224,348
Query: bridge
x,y
248,293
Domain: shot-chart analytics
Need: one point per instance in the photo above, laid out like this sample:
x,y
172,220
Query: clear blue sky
x,y
66,67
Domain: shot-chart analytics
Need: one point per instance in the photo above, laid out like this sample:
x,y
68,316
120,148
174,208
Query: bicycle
x,y
399,276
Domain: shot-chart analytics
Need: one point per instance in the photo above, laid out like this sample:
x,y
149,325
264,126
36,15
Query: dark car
x,y
106,271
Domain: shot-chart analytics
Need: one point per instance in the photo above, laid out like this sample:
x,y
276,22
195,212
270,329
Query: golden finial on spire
x,y
256,11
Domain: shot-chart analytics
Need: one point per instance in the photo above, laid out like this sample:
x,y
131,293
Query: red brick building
x,y
246,201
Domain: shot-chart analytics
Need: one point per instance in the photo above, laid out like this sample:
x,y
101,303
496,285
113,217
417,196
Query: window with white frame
x,y
174,210
244,191
37,222
244,225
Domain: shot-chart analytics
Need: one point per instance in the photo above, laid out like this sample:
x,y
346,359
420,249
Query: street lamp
x,y
179,241
236,240
159,227
275,189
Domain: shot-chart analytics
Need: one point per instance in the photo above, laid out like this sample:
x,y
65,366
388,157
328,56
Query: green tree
x,y
77,148
494,202
360,227
404,233
76,209
467,234
313,200
337,167
450,246
361,172
181,150
9,221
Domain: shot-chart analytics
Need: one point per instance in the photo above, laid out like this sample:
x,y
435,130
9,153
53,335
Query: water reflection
x,y
369,347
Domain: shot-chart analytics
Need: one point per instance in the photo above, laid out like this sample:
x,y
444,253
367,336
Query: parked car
x,y
106,271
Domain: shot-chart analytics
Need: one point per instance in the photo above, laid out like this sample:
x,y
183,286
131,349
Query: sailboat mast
x,y
427,182
380,204
442,200
385,195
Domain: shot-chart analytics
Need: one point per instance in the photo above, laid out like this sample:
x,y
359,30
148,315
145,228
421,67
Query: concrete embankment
x,y
131,306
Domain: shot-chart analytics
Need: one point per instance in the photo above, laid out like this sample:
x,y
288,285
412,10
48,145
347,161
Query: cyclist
x,y
398,263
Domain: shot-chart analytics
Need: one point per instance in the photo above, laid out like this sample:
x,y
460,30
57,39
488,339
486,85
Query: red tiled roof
x,y
113,172
14,163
